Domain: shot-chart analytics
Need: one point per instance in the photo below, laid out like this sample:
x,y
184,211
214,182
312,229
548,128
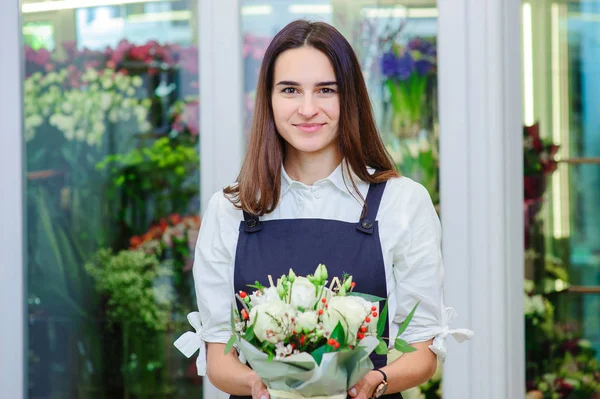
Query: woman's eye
x,y
289,90
327,90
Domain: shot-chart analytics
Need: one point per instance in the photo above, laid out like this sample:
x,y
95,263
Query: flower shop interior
x,y
122,117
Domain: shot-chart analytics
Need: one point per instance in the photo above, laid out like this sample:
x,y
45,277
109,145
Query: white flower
x,y
67,108
534,305
413,148
304,293
307,321
137,81
282,350
270,295
424,144
397,156
528,286
105,101
351,311
272,321
321,273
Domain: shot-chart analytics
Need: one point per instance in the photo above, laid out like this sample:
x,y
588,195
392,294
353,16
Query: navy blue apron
x,y
274,246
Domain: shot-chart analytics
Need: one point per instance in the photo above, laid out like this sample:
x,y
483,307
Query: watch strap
x,y
382,373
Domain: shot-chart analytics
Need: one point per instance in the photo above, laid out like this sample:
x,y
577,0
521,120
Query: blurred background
x,y
113,148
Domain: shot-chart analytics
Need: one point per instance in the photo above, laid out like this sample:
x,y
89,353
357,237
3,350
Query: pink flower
x,y
42,57
192,117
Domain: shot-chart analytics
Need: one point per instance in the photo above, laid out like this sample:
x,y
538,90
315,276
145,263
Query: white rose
x,y
538,305
307,321
413,148
273,321
424,144
304,293
137,81
270,295
351,311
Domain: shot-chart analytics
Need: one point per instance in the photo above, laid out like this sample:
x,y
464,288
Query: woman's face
x,y
306,103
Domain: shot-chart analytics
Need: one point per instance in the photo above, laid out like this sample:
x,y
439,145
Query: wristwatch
x,y
382,387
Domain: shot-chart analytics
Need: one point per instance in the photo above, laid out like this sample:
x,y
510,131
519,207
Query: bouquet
x,y
306,339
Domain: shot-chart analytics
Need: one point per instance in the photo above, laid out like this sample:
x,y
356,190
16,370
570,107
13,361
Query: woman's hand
x,y
259,389
364,388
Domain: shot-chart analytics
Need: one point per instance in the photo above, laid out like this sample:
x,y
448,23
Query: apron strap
x,y
367,222
251,223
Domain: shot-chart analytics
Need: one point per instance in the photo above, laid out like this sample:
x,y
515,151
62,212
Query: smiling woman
x,y
306,110
317,186
312,103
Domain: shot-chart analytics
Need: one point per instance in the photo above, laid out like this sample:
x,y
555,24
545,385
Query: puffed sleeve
x,y
419,274
213,278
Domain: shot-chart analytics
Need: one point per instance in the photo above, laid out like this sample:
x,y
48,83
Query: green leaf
x,y
382,348
256,285
249,336
402,346
230,343
271,357
407,320
339,334
232,317
317,354
370,298
382,320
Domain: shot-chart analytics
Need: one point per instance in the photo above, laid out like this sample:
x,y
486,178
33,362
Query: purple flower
x,y
389,64
423,67
415,43
405,66
423,46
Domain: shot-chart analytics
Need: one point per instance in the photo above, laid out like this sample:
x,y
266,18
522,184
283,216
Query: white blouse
x,y
410,236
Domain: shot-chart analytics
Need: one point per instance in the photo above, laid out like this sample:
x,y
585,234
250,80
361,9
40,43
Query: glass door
x,y
561,96
396,44
111,129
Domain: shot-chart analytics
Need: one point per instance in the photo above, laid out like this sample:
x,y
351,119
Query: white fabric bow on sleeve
x,y
460,335
190,342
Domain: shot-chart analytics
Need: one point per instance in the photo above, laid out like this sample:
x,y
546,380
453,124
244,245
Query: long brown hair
x,y
259,182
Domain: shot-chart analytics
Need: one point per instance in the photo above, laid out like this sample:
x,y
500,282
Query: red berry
x,y
374,314
245,315
293,345
243,294
326,306
360,336
294,332
368,320
337,345
323,300
353,284
363,329
373,308
331,341
320,311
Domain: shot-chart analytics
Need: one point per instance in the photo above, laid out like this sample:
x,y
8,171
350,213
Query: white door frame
x,y
221,105
12,272
481,176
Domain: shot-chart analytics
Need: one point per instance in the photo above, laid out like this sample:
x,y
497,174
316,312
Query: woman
x,y
317,186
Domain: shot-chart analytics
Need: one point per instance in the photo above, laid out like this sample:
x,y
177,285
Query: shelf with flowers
x,y
559,364
148,291
85,109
